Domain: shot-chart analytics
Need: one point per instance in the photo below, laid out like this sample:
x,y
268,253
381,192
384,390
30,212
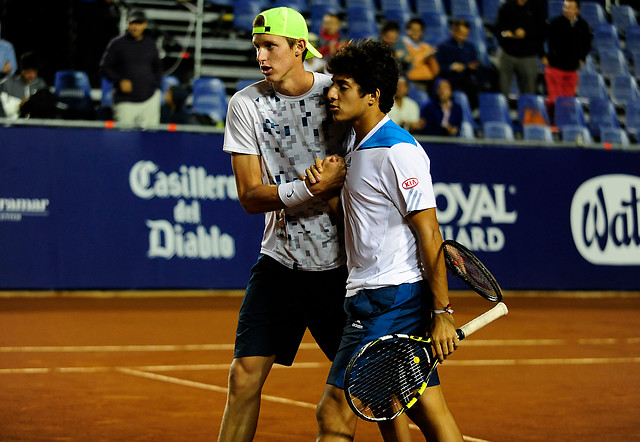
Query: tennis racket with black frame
x,y
466,266
387,376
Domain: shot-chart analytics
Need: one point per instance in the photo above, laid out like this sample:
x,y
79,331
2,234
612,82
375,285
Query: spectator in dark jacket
x,y
131,62
569,42
458,61
520,29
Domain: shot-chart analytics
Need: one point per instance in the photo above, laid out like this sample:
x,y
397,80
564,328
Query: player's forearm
x,y
260,199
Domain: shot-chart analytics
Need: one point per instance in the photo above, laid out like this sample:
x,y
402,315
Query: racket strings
x,y
387,377
469,270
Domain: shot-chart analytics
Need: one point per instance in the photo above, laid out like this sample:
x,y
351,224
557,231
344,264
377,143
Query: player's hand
x,y
126,86
326,176
457,66
444,339
6,68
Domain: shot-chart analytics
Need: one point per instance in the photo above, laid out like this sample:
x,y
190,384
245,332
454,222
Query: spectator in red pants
x,y
569,41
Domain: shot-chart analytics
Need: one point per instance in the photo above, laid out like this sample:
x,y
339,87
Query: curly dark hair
x,y
371,64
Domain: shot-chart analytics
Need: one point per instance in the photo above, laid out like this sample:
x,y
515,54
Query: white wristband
x,y
294,193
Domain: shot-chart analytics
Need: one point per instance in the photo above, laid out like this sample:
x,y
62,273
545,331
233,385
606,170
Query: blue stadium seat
x,y
632,118
569,111
436,27
423,6
467,114
632,40
490,10
623,16
299,5
361,23
318,9
588,65
403,5
461,8
613,62
537,132
635,57
400,16
576,133
106,95
533,103
244,11
554,8
592,13
591,85
73,91
167,82
467,131
605,38
601,114
614,135
420,96
244,82
493,107
368,4
497,130
624,89
209,98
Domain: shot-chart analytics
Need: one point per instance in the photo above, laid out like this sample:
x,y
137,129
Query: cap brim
x,y
312,52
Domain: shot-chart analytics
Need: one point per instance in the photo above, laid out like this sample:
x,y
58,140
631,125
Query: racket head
x,y
387,376
466,266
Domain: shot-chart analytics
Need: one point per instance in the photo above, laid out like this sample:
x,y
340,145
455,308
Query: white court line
x,y
128,348
306,365
304,346
265,397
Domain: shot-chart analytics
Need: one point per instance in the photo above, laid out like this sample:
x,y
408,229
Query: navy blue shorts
x,y
374,313
281,303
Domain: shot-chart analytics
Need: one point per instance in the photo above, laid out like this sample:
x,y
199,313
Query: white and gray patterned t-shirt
x,y
288,133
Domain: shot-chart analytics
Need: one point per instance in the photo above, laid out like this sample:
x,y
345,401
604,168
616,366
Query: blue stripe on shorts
x,y
378,312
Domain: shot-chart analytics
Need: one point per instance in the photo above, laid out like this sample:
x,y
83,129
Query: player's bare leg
x,y
432,415
396,430
336,421
246,378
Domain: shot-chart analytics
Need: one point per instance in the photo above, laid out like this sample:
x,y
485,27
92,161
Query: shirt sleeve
x,y
406,178
239,133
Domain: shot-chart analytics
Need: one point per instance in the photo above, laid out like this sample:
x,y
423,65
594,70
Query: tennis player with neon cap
x,y
397,278
274,129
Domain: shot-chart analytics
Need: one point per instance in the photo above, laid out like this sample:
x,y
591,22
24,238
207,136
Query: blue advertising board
x,y
96,208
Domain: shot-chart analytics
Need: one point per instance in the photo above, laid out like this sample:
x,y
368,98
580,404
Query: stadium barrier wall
x,y
126,209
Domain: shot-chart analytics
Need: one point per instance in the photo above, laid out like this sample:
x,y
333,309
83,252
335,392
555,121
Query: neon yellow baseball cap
x,y
286,22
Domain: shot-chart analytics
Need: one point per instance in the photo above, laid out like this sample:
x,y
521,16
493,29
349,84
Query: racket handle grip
x,y
487,317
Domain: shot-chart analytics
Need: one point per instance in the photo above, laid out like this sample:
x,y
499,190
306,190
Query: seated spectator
x,y
405,111
459,62
389,33
16,90
328,41
8,63
173,110
417,58
441,115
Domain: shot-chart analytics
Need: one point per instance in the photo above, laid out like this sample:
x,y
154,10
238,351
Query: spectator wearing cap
x,y
17,89
131,62
459,62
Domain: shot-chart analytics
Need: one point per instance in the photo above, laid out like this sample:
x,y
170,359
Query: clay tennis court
x,y
149,366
